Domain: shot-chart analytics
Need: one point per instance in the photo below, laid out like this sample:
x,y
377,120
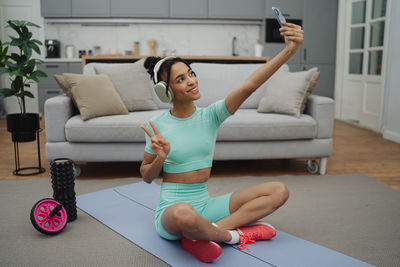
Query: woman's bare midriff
x,y
192,177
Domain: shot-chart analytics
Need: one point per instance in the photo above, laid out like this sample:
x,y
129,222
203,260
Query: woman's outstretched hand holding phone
x,y
293,35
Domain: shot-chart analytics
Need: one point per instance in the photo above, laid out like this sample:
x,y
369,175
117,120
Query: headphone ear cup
x,y
160,89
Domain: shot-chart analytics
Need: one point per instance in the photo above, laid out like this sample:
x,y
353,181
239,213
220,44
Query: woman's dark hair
x,y
165,68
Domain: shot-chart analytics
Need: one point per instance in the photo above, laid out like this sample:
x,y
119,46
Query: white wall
x,y
391,113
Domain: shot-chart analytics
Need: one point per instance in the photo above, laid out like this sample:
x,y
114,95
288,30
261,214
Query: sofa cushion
x,y
121,128
132,83
286,92
246,124
250,125
94,95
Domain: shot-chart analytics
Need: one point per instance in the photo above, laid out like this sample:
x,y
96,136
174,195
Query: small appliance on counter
x,y
69,51
52,48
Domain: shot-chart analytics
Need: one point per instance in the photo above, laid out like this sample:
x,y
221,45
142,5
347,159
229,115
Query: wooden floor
x,y
355,150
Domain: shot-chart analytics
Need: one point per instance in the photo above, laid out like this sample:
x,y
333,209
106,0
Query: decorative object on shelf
x,y
152,44
20,67
63,184
136,48
96,50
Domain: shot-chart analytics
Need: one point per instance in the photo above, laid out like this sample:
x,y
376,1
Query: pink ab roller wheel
x,y
49,216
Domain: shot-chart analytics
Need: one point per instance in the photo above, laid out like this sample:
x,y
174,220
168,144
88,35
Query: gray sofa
x,y
246,135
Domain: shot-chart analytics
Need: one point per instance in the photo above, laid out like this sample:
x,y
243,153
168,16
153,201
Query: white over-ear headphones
x,y
160,87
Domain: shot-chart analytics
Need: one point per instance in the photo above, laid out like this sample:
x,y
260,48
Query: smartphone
x,y
279,16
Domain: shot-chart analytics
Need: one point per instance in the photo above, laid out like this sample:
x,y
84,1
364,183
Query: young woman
x,y
180,142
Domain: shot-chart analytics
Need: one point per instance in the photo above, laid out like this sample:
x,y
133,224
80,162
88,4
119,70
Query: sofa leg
x,y
322,165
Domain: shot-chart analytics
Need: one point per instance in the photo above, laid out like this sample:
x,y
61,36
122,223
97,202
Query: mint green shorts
x,y
214,209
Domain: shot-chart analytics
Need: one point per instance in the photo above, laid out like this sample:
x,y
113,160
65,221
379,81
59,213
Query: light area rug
x,y
353,214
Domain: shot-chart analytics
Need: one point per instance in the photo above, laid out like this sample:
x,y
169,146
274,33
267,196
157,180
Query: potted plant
x,y
21,70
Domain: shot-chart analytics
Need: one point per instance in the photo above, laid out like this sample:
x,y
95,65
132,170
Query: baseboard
x,y
390,135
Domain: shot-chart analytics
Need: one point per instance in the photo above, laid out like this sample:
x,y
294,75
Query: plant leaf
x,y
37,41
34,46
38,73
24,33
28,94
17,84
13,26
17,73
30,66
34,78
15,41
6,92
32,24
15,57
11,66
27,51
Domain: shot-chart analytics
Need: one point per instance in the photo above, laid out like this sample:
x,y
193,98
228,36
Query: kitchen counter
x,y
62,60
190,59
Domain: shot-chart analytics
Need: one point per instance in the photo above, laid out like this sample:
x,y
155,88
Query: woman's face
x,y
184,83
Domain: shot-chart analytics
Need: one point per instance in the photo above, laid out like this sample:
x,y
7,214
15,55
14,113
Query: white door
x,y
365,35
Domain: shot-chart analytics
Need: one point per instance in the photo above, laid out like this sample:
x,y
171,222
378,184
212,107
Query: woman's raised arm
x,y
293,38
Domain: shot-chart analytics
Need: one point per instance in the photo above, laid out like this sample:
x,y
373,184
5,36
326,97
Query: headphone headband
x,y
158,66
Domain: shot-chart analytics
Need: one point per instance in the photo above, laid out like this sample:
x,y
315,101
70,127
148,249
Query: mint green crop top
x,y
192,139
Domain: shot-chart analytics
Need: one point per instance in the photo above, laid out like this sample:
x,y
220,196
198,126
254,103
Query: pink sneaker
x,y
255,231
203,250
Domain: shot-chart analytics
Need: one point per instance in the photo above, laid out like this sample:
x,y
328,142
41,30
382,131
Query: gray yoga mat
x,y
129,211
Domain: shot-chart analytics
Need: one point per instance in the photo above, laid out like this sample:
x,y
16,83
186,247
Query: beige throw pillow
x,y
313,83
64,85
287,91
94,95
132,83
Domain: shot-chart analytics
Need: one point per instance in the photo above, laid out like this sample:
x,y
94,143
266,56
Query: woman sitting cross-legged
x,y
180,144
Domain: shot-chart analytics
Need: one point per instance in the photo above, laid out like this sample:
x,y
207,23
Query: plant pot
x,y
23,128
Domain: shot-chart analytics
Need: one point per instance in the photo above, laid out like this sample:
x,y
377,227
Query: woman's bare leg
x,y
251,204
183,221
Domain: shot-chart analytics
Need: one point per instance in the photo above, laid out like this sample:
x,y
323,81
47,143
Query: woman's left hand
x,y
293,35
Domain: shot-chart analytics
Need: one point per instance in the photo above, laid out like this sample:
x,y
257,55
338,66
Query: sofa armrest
x,y
57,111
322,109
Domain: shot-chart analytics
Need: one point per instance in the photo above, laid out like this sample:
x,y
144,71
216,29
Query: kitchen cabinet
x,y
319,23
189,8
48,86
236,9
217,9
292,9
55,8
90,8
140,8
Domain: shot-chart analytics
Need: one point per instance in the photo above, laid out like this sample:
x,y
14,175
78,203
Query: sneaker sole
x,y
204,251
260,222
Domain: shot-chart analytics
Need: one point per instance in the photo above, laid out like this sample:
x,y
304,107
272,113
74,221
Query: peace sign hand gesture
x,y
158,144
